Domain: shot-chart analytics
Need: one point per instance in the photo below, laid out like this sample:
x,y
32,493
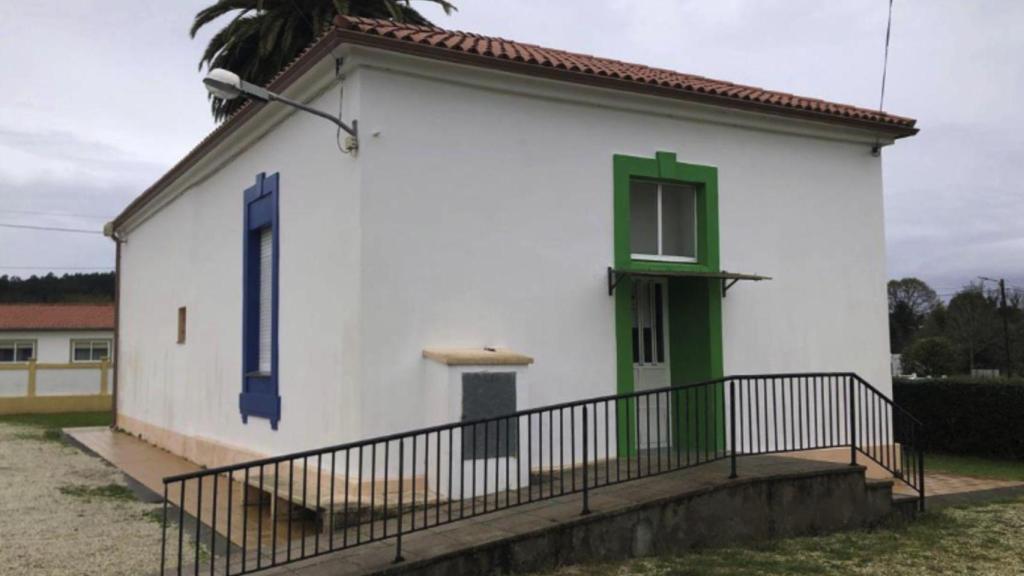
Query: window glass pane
x,y
99,351
266,297
82,352
25,352
643,217
6,352
679,221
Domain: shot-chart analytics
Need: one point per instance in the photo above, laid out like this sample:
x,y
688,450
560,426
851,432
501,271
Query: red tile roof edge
x,y
470,48
442,44
63,316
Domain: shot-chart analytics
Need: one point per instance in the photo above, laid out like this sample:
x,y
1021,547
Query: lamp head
x,y
223,84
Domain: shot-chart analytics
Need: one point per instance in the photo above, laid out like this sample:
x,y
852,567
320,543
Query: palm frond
x,y
263,36
220,8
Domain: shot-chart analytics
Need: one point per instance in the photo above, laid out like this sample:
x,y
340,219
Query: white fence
x,y
43,387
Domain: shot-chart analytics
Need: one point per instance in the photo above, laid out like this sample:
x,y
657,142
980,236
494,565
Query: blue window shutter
x,y
259,395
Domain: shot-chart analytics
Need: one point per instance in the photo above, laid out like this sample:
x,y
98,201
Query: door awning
x,y
727,278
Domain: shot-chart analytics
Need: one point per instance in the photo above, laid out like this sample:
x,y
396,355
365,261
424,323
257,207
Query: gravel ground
x,y
65,512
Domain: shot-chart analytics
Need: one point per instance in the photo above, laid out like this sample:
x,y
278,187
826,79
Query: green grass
x,y
106,492
971,540
59,420
48,426
974,466
157,515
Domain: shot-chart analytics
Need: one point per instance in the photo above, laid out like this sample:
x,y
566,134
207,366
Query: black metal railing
x,y
251,516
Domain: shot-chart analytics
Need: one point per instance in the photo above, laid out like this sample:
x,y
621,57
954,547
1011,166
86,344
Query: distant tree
x,y
93,287
911,301
262,36
935,324
934,356
972,322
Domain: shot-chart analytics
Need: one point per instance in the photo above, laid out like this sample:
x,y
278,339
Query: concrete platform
x,y
773,497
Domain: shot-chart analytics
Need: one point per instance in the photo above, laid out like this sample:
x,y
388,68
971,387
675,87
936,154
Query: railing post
x,y
920,475
163,536
401,487
586,473
853,422
732,427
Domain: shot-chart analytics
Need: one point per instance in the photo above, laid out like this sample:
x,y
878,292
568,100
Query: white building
x,y
66,343
278,293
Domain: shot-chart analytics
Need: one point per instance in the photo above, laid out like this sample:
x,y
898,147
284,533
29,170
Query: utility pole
x,y
1004,312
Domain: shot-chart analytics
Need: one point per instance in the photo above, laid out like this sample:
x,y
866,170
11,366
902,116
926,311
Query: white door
x,y
650,361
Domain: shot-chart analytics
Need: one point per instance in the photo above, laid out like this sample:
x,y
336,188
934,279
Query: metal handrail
x,y
588,444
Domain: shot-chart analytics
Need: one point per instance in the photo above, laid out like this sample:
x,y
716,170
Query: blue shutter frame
x,y
259,395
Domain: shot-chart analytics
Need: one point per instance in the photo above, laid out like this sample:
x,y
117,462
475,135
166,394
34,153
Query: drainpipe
x,y
109,232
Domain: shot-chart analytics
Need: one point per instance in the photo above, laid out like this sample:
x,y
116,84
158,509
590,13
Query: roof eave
x,y
892,130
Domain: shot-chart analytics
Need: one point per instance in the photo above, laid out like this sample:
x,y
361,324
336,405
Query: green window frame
x,y
664,168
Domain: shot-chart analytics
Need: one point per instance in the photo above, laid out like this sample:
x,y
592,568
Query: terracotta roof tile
x,y
56,316
501,49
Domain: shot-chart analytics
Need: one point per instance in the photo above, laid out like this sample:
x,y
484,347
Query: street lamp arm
x,y
227,85
351,130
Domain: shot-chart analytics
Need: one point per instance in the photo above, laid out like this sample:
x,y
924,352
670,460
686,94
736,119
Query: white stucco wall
x,y
487,220
190,254
478,216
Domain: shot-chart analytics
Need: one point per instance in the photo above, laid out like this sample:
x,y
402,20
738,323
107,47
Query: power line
x,y
53,213
49,228
885,59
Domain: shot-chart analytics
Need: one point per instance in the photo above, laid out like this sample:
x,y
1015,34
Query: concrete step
x,y
906,506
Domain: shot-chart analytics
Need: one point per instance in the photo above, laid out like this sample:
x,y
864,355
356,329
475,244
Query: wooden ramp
x,y
269,507
252,517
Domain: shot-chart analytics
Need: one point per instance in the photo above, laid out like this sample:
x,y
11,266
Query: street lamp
x,y
226,85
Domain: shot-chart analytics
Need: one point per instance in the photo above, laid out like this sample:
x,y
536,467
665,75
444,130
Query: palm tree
x,y
263,36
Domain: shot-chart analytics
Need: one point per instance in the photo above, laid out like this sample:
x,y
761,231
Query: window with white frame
x,y
17,351
90,350
663,221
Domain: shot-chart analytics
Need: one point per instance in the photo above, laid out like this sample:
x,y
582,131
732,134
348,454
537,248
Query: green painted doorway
x,y
691,337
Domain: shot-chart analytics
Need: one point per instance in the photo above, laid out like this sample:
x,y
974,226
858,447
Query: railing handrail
x,y
888,400
525,412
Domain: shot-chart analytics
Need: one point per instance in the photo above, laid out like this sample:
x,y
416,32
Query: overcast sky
x,y
99,98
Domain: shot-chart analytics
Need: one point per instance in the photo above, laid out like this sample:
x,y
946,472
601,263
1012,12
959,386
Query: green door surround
x,y
695,304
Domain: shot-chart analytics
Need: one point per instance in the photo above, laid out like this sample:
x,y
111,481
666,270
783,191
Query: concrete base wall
x,y
739,512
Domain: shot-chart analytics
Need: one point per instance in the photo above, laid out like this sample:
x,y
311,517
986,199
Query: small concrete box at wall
x,y
471,384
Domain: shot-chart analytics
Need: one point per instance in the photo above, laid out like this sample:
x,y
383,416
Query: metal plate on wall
x,y
487,395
